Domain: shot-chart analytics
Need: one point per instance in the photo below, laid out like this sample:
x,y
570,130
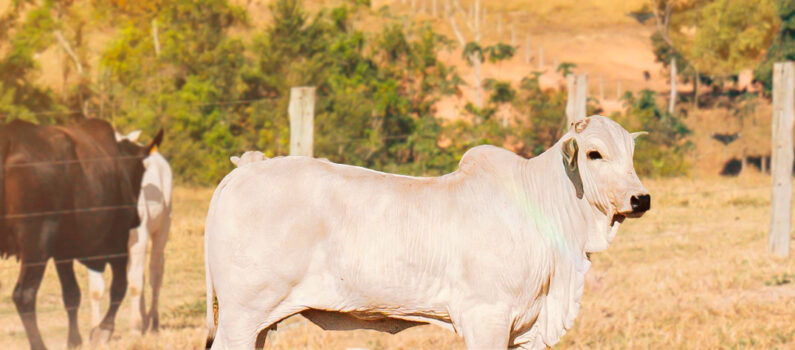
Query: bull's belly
x,y
372,298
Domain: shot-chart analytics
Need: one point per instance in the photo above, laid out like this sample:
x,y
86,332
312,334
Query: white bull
x,y
495,251
154,209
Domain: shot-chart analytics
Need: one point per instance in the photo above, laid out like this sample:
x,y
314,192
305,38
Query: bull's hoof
x,y
74,342
100,335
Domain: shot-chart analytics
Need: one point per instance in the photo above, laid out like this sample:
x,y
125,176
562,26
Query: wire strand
x,y
69,161
69,211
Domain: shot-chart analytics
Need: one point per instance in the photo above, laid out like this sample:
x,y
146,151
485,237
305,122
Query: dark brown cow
x,y
67,193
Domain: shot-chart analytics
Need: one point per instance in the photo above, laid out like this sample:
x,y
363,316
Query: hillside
x,y
596,35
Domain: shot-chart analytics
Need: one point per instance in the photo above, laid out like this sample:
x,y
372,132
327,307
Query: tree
x,y
729,37
710,40
782,48
25,31
661,152
475,56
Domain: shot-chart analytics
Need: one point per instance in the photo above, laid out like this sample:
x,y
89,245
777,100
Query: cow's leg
x,y
157,265
96,289
24,297
118,287
486,327
139,238
71,300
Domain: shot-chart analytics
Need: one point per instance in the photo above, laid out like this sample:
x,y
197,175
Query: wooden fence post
x,y
513,32
601,88
582,96
302,120
527,52
540,58
577,90
782,157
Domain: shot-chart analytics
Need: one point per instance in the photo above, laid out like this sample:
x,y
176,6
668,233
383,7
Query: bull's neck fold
x,y
562,221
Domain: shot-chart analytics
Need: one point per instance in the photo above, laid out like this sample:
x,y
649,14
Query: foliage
x,y
729,37
713,39
782,48
217,94
375,94
494,53
661,152
199,64
565,68
20,96
543,112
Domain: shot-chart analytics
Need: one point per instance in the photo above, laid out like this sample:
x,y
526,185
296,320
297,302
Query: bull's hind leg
x,y
118,286
247,326
96,289
24,297
139,239
71,300
36,236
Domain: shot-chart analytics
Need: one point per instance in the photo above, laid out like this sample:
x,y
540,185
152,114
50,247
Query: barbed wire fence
x,y
85,304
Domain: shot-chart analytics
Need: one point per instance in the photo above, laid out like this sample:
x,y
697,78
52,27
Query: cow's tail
x,y
210,296
6,244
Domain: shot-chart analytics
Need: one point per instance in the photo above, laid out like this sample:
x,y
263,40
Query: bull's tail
x,y
210,297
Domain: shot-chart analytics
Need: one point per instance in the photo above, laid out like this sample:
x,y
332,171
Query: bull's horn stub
x,y
638,133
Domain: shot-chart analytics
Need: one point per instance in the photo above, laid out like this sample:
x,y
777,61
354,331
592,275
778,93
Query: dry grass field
x,y
692,274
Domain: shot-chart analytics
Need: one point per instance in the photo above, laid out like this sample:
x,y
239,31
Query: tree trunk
x,y
473,58
476,75
672,101
695,91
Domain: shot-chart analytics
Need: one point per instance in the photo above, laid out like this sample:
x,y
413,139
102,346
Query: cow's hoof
x,y
100,335
154,323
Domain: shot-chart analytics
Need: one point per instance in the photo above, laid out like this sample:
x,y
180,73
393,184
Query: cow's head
x,y
132,157
597,155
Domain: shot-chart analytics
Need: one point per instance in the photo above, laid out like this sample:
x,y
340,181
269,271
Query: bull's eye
x,y
592,155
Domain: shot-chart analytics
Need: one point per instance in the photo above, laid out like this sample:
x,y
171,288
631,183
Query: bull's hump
x,y
486,158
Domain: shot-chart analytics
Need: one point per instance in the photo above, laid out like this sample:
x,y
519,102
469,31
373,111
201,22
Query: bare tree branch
x,y
663,24
69,51
155,37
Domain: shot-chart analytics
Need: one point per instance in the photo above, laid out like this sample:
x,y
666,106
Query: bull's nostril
x,y
640,203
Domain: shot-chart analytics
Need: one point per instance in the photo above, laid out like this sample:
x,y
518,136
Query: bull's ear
x,y
133,136
638,133
570,152
152,146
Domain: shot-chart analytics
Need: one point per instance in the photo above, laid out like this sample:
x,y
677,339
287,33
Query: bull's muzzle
x,y
640,203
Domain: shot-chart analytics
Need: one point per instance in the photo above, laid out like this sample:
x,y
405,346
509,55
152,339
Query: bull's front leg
x,y
118,287
485,326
